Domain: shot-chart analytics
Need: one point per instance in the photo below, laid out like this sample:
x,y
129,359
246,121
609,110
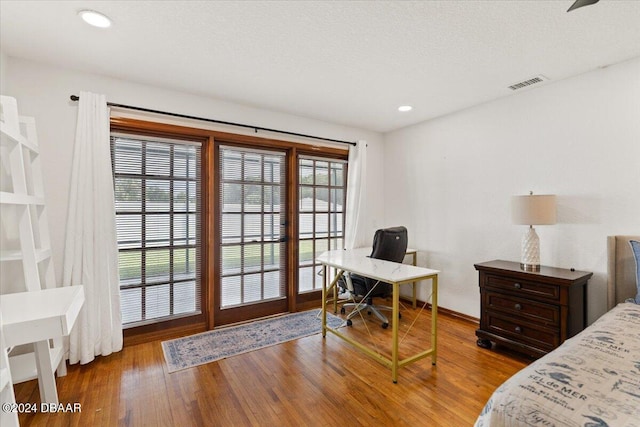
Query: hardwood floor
x,y
306,382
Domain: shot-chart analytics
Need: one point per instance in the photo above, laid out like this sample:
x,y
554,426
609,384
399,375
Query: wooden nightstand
x,y
531,312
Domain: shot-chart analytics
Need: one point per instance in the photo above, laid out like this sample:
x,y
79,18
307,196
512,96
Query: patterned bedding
x,y
592,380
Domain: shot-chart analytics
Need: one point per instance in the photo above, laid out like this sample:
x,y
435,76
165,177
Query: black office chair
x,y
389,244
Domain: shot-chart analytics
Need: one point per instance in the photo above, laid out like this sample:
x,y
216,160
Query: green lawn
x,y
158,261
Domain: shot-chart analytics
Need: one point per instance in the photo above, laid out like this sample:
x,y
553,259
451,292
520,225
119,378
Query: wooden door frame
x,y
258,309
309,299
188,324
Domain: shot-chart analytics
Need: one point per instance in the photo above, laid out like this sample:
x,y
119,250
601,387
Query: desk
x,y
367,252
35,317
356,261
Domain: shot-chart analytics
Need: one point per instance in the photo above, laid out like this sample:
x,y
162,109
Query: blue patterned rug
x,y
194,350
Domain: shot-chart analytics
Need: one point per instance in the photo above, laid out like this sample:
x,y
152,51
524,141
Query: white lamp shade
x,y
534,209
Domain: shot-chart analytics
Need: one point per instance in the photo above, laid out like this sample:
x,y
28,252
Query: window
x,y
158,218
322,192
253,196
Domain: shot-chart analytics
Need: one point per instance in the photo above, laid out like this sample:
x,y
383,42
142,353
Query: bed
x,y
592,379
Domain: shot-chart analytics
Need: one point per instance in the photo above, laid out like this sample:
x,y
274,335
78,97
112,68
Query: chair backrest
x,y
390,244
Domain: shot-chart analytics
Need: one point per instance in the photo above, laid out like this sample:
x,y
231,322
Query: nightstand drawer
x,y
545,314
526,333
523,287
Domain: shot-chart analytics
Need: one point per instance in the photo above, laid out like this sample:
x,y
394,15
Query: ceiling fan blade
x,y
580,3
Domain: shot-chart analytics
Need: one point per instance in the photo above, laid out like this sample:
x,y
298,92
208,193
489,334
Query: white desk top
x,y
34,316
357,261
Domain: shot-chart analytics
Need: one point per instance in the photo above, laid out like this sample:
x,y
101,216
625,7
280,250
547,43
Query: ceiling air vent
x,y
532,81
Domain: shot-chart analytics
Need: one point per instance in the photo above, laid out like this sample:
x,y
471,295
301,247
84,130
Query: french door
x,y
216,228
252,187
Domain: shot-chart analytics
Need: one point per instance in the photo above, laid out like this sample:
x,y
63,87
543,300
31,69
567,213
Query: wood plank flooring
x,y
307,382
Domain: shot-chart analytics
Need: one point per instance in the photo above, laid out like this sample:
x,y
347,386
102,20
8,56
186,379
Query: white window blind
x,y
158,218
322,192
253,245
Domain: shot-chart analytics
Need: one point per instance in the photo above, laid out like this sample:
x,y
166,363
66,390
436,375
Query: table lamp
x,y
532,210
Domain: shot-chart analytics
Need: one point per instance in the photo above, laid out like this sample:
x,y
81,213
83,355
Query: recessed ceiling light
x,y
405,108
94,18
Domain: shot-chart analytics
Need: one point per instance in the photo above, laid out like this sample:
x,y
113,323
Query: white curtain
x,y
356,190
91,252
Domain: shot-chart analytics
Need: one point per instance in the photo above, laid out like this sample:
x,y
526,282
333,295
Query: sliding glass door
x,y
253,244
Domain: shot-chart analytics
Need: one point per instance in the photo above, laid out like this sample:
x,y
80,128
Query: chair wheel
x,y
369,313
342,310
385,325
349,322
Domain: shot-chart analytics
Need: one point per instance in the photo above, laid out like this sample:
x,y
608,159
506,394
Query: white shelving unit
x,y
27,243
22,199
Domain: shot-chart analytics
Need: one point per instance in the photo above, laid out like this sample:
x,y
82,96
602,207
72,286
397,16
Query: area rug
x,y
206,347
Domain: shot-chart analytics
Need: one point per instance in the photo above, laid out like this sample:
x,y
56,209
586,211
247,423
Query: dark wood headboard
x,y
621,270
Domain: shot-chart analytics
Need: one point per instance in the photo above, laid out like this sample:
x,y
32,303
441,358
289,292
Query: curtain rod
x,y
184,116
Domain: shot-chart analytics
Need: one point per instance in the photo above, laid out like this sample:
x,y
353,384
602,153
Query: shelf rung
x,y
15,255
20,199
16,137
23,366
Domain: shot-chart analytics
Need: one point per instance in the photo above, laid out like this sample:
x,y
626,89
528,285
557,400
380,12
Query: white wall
x,y
43,92
578,138
3,72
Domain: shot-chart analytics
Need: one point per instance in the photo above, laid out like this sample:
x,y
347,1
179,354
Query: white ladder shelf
x,y
25,252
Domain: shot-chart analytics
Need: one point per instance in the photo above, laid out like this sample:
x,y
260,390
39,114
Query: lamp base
x,y
530,267
530,257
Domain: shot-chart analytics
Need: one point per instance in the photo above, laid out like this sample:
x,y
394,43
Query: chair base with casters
x,y
358,307
351,284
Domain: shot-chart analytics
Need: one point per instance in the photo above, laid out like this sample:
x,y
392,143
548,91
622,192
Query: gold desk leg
x,y
434,319
325,279
394,329
325,290
335,299
415,299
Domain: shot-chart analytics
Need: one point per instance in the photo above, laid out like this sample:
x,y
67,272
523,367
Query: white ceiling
x,y
351,63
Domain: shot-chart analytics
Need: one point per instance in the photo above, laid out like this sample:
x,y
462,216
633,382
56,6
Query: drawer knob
x,y
518,329
517,285
518,307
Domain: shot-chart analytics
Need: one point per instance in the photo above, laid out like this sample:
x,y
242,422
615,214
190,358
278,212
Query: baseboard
x,y
443,310
162,334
